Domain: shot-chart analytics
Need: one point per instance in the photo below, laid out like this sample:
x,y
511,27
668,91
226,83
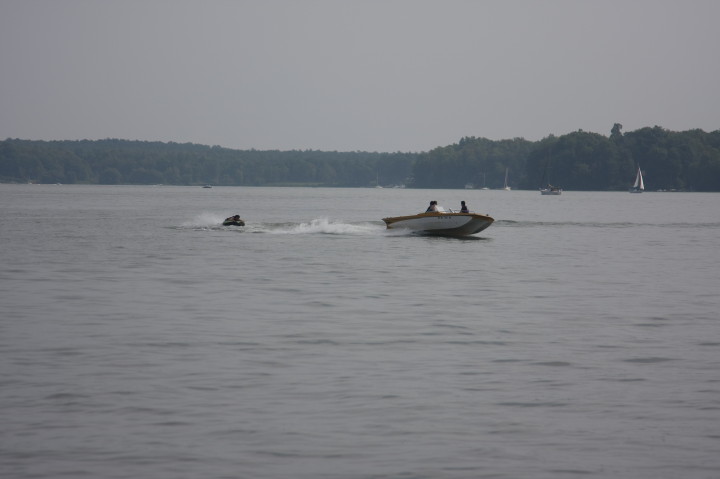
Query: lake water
x,y
577,337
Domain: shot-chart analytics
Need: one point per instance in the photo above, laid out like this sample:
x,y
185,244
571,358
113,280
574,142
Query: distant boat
x,y
207,186
551,190
639,185
472,186
506,187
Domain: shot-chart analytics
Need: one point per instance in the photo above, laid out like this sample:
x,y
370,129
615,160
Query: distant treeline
x,y
113,162
688,160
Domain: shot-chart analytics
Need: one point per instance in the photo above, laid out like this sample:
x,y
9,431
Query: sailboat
x,y
639,185
549,189
506,187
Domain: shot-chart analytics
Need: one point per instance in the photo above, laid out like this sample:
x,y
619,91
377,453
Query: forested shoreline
x,y
685,161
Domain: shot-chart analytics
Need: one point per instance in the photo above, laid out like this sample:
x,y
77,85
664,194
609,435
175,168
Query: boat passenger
x,y
463,207
432,207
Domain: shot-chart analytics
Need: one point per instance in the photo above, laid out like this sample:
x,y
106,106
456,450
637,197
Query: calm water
x,y
576,337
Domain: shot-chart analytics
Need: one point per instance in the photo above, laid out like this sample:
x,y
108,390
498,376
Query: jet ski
x,y
233,221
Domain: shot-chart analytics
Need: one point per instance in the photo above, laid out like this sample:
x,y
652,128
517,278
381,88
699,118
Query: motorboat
x,y
233,221
441,223
551,190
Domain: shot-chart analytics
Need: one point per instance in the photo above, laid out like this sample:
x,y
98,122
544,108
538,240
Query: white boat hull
x,y
444,224
551,192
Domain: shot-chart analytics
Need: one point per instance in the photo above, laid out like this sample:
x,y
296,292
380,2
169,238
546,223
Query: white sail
x,y
639,184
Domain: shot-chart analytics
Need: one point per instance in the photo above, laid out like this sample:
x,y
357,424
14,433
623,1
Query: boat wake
x,y
204,221
213,222
319,226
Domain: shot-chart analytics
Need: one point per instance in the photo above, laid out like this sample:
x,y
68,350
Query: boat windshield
x,y
442,209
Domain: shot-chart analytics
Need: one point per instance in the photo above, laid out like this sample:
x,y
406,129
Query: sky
x,y
354,75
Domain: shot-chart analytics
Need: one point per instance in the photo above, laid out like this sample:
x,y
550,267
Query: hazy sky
x,y
374,75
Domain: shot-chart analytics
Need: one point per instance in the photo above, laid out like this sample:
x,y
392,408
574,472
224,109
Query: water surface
x,y
575,337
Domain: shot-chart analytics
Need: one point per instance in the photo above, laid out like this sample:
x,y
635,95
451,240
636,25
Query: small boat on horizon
x,y
551,190
506,187
639,185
